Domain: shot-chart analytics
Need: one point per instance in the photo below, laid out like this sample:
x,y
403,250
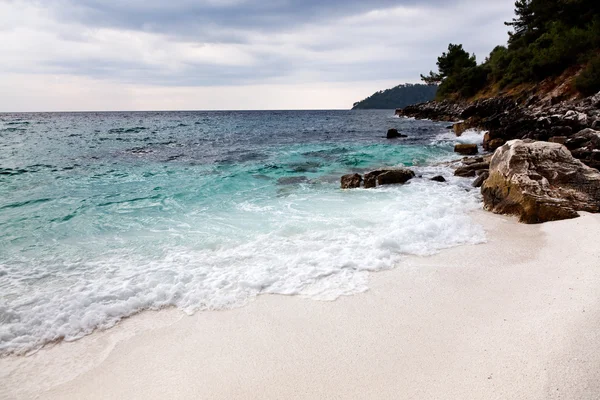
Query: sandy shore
x,y
516,318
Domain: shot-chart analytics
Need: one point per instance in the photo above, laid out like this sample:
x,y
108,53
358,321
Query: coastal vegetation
x,y
548,37
399,96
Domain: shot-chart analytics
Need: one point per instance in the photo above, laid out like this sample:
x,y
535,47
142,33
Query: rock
x,y
595,100
540,182
466,149
468,171
481,178
576,117
558,139
591,158
472,160
487,138
515,116
588,138
393,134
388,177
561,130
585,145
351,181
438,178
459,128
494,144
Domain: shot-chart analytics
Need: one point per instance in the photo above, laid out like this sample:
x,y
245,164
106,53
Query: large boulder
x,y
539,182
466,149
351,181
388,177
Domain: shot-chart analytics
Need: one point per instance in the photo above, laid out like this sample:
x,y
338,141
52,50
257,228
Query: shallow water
x,y
106,214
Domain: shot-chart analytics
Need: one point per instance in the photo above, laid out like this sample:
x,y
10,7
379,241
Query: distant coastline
x,y
397,97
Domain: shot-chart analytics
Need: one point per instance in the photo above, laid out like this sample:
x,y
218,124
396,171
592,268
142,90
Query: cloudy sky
x,y
228,54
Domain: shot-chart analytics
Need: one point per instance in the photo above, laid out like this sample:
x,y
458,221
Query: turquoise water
x,y
106,214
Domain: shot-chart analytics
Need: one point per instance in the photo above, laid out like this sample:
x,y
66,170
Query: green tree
x,y
547,38
450,63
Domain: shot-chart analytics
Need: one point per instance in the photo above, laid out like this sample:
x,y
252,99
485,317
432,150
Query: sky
x,y
78,55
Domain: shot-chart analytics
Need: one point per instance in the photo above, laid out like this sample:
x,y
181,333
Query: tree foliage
x,y
547,37
588,82
450,63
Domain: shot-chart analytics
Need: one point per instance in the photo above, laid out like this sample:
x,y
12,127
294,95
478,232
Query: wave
x,y
317,244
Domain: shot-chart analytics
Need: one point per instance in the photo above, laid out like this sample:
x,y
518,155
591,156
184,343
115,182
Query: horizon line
x,y
186,110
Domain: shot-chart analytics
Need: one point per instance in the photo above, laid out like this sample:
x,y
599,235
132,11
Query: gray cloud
x,y
242,42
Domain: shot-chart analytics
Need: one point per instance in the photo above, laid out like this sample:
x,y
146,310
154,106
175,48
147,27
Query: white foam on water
x,y
470,136
320,244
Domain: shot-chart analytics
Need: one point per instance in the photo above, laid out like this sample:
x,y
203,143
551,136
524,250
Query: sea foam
x,y
105,215
470,136
319,244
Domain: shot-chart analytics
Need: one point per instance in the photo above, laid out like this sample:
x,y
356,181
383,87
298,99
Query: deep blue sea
x,y
103,215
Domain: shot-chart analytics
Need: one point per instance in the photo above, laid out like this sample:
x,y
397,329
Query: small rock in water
x,y
388,177
438,178
466,149
394,134
351,181
459,128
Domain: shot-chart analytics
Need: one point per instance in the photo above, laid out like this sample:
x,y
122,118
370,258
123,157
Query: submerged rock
x,y
466,149
292,180
438,178
351,181
388,177
539,182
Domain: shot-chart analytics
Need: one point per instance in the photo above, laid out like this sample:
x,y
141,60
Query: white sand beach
x,y
516,318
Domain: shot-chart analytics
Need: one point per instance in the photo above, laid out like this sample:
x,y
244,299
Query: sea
x,y
104,215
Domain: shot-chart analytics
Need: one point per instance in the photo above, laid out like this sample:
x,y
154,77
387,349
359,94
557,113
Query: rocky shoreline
x,y
574,123
543,155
